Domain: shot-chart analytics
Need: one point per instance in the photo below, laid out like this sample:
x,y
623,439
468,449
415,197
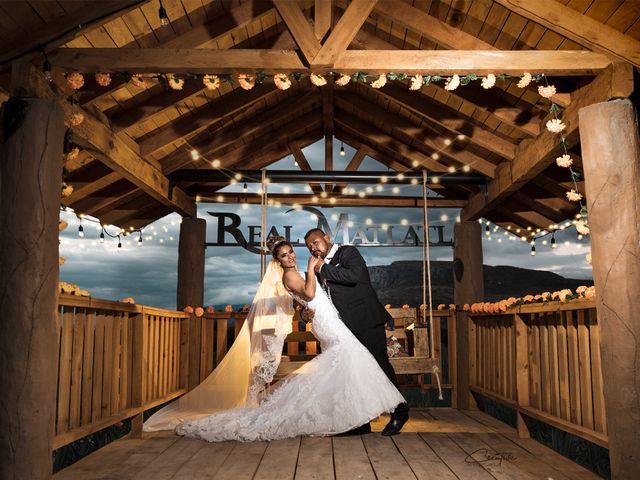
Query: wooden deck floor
x,y
435,444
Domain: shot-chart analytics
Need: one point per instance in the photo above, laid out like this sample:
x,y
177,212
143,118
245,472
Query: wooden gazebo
x,y
136,135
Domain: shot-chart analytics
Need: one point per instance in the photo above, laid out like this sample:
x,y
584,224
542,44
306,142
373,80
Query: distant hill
x,y
401,282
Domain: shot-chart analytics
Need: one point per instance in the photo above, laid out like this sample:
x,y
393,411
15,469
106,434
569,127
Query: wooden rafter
x,y
104,145
323,18
311,133
534,157
91,188
580,28
299,27
445,63
302,162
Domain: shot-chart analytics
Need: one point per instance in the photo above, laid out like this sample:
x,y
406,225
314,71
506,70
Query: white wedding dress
x,y
340,389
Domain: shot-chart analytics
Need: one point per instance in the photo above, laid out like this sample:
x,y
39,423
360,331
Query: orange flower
x,y
199,311
246,81
452,306
343,80
441,306
75,80
210,310
188,309
103,79
228,308
465,307
406,306
387,306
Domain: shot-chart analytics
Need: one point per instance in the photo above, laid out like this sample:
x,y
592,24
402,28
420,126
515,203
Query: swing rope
x,y
263,225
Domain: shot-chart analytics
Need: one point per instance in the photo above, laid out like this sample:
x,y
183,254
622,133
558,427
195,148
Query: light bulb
x,y
81,231
342,152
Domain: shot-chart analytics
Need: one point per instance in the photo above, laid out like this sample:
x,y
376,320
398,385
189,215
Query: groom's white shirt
x,y
331,253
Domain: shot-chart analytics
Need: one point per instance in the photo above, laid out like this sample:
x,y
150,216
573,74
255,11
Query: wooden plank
x,y
166,465
554,380
584,362
98,367
580,28
76,368
545,386
534,363
315,459
323,18
574,369
600,420
221,339
125,362
65,367
563,368
242,462
454,457
108,367
117,364
279,460
206,462
87,367
424,462
386,460
351,459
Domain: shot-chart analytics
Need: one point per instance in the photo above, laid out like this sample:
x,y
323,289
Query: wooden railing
x,y
115,361
544,361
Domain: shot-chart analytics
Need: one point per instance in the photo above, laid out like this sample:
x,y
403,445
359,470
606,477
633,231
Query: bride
x,y
341,388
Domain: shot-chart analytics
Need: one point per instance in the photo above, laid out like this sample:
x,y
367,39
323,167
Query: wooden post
x,y
611,159
468,287
31,176
191,287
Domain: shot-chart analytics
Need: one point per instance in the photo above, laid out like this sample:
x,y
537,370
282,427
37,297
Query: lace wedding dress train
x,y
338,390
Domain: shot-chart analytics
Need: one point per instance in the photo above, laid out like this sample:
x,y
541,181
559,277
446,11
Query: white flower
x,y
318,80
574,196
555,125
103,79
564,161
246,81
174,82
281,81
488,81
416,82
138,82
525,80
343,80
212,82
379,82
582,228
547,92
452,83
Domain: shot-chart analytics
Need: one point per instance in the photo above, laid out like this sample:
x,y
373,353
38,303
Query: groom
x,y
345,277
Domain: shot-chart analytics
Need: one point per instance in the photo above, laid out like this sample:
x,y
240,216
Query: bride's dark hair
x,y
275,243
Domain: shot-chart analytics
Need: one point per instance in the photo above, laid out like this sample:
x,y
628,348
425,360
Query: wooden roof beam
x,y
580,28
300,28
323,18
438,62
311,133
104,145
420,138
533,157
303,164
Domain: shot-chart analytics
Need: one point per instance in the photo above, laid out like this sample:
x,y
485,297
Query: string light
x,y
244,187
194,154
342,152
487,231
102,235
553,241
81,230
533,248
162,13
140,239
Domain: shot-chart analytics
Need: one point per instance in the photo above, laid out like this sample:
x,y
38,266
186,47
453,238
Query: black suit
x,y
347,280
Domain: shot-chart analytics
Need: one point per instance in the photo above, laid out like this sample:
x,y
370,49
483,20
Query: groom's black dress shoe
x,y
361,430
398,419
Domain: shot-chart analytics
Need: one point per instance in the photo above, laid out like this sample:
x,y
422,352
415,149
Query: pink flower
x,y
318,80
281,81
343,80
210,310
574,196
581,289
547,92
528,298
582,227
590,292
555,125
75,80
452,306
452,83
103,79
416,82
564,161
465,307
525,80
188,309
488,81
246,81
199,311
379,82
228,308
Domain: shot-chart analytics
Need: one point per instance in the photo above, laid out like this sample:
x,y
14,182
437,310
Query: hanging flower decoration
x,y
416,82
138,81
582,228
452,83
588,259
555,125
246,81
574,196
75,80
343,80
76,119
379,82
318,80
66,190
228,308
564,161
547,92
62,225
211,82
188,309
174,82
488,81
210,309
525,80
103,79
282,81
72,154
199,311
60,261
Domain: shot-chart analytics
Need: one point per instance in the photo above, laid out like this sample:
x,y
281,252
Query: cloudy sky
x,y
149,273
